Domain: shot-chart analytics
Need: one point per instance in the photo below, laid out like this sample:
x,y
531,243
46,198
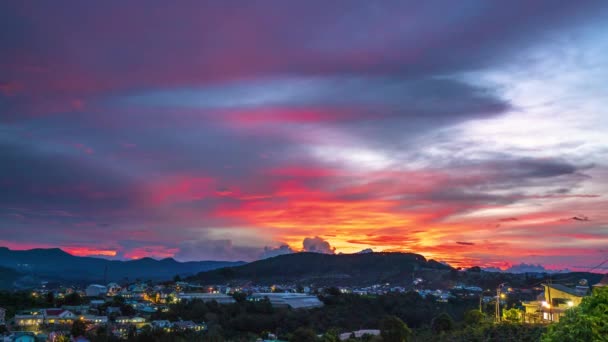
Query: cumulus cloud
x,y
365,251
270,252
317,245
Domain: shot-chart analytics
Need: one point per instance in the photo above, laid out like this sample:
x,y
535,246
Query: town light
x,y
570,303
546,305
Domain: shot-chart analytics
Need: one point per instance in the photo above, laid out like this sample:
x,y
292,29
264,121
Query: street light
x,y
499,295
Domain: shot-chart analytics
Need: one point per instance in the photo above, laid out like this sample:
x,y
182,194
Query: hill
x,y
8,277
326,269
55,264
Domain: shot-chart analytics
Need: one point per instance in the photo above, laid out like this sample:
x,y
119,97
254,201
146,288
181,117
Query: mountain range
x,y
55,264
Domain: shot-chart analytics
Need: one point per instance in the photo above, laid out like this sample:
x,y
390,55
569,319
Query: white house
x,y
96,290
58,316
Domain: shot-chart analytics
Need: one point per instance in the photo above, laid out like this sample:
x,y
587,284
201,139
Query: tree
x,y
79,328
442,323
72,299
587,322
50,298
303,335
392,329
473,317
512,315
239,297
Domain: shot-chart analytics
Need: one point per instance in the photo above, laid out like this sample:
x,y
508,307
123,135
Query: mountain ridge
x,y
55,263
366,268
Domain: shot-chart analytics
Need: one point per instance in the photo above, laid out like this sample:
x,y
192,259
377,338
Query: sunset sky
x,y
471,132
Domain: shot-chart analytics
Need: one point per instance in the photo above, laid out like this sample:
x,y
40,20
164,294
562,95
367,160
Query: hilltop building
x,y
553,303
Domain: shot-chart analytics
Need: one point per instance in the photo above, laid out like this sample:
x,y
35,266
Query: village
x,y
126,310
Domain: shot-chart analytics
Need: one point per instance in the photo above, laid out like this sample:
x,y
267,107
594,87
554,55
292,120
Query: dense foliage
x,y
341,313
587,322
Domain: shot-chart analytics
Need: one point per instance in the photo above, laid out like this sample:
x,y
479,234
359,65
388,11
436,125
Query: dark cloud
x,y
465,243
580,218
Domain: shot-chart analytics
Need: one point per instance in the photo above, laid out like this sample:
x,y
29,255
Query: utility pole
x,y
497,318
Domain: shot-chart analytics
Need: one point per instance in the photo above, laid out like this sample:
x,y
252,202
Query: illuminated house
x,y
552,305
136,321
58,316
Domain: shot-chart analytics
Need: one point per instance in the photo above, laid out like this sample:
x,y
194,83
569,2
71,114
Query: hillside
x,y
369,268
8,277
57,264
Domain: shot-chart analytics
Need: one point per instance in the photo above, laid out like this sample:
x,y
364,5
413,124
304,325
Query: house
x,y
161,324
29,320
553,303
113,289
94,319
96,290
58,316
137,321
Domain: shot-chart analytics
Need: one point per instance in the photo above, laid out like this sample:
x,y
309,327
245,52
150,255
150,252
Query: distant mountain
x,y
525,268
327,269
8,277
54,263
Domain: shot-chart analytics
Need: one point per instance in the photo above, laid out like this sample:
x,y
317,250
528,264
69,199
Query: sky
x,y
471,132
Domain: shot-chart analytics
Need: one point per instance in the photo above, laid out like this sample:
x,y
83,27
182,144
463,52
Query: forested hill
x,y
368,268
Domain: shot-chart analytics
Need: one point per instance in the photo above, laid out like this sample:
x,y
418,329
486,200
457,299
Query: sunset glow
x,y
474,135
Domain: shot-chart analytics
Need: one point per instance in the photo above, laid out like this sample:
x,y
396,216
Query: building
x,y
29,320
288,299
553,303
136,321
206,297
58,316
96,290
161,324
359,334
95,319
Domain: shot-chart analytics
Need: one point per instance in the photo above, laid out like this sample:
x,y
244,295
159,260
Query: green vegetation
x,y
587,322
392,329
